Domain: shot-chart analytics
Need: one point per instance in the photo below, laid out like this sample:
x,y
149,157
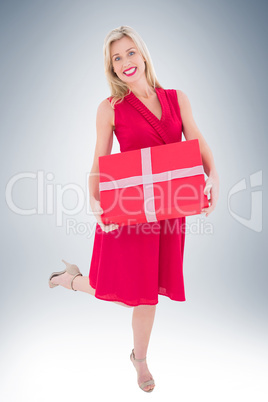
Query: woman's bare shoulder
x,y
182,97
106,111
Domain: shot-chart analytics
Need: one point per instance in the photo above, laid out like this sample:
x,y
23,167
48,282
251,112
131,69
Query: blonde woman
x,y
132,264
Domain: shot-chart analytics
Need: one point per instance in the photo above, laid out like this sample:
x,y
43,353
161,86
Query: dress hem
x,y
134,305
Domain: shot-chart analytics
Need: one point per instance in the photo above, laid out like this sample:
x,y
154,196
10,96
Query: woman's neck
x,y
142,89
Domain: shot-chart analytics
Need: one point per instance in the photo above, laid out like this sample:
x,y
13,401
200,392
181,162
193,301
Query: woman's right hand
x,y
97,210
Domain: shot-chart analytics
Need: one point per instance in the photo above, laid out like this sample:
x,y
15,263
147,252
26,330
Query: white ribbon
x,y
147,179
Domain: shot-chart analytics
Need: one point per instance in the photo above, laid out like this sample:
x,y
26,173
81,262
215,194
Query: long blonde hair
x,y
119,88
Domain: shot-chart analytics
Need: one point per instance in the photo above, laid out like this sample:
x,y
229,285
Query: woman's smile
x,y
130,71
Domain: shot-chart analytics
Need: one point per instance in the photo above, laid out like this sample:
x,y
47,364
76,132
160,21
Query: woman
x,y
130,265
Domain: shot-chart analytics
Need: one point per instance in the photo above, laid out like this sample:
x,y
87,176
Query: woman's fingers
x,y
209,209
105,228
210,189
98,211
108,228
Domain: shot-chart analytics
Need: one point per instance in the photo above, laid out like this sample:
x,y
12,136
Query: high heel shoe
x,y
72,269
145,383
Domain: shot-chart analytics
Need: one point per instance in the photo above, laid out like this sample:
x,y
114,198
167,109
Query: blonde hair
x,y
119,88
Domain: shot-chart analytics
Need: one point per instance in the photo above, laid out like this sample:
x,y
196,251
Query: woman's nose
x,y
126,64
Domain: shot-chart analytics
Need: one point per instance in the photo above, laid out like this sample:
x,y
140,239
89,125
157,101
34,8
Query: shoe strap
x,y
145,383
73,279
137,360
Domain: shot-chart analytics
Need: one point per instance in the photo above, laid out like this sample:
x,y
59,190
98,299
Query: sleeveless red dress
x,y
135,263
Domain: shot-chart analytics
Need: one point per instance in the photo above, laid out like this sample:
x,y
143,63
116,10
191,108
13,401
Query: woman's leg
x,y
79,283
82,283
142,323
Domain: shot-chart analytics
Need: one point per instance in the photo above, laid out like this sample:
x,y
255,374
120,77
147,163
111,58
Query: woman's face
x,y
125,56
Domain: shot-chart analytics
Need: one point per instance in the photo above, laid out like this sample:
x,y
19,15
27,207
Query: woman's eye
x,y
119,57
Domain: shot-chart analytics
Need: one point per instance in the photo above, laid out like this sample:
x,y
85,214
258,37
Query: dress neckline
x,y
161,126
139,103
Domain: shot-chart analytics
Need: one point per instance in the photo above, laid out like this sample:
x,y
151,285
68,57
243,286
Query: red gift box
x,y
150,184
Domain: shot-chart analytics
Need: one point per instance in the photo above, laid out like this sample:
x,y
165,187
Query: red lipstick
x,y
128,75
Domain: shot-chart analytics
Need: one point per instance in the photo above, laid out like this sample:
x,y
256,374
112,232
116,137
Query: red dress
x,y
135,263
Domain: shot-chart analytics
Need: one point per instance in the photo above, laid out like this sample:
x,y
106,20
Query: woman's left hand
x,y
212,189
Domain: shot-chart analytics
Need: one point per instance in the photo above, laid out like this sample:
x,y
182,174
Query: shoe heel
x,y
71,268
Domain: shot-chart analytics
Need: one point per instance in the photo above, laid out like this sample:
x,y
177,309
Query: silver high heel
x,y
145,383
72,269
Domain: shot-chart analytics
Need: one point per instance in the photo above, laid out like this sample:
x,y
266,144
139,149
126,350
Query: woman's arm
x,y
104,144
191,131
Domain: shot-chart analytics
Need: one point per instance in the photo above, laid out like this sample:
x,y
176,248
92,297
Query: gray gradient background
x,y
60,345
